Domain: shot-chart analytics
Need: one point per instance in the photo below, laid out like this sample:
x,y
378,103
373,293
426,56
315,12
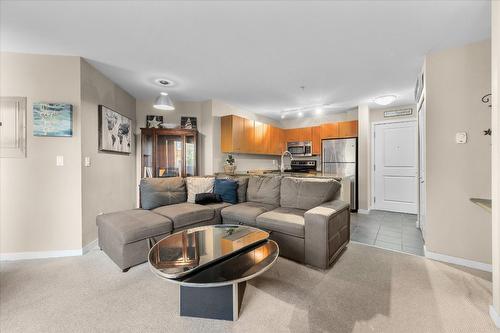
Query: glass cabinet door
x,y
169,155
147,155
190,156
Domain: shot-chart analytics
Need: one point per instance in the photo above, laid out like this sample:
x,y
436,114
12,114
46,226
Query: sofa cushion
x,y
227,189
129,226
218,207
245,212
197,185
307,193
264,190
288,221
186,213
156,192
242,185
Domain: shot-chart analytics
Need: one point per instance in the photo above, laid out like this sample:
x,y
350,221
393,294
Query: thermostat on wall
x,y
461,137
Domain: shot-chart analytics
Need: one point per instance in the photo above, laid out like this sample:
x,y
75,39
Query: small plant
x,y
230,159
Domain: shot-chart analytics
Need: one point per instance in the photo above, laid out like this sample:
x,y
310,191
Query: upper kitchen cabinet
x,y
329,130
262,139
277,142
298,134
316,140
232,134
348,129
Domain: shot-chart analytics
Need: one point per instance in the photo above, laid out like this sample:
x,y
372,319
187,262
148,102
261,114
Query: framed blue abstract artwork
x,y
52,119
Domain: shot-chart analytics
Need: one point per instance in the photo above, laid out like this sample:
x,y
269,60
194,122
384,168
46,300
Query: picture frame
x,y
189,122
114,131
152,120
52,119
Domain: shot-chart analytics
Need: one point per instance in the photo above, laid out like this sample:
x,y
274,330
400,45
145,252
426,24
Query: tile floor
x,y
395,231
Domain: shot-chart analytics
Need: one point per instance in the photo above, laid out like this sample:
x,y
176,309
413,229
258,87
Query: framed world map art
x,y
114,131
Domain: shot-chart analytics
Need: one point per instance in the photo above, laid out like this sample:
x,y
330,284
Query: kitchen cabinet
x,y
348,129
316,140
262,139
245,136
329,130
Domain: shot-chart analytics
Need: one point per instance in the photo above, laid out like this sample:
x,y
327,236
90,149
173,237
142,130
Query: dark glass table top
x,y
213,255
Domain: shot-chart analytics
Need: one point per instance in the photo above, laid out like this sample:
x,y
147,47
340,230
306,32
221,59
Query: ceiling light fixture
x,y
319,110
164,82
163,102
300,114
283,116
385,100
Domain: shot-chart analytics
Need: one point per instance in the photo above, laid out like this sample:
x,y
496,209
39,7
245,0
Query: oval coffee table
x,y
212,264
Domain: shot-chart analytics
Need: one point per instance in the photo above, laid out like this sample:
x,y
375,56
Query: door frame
x,y
372,154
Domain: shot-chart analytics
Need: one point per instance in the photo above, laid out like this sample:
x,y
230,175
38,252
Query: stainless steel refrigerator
x,y
340,158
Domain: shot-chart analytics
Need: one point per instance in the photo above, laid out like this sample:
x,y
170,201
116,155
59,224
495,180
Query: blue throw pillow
x,y
227,189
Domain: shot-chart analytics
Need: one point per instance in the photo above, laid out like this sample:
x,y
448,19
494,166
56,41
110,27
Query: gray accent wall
x,y
108,185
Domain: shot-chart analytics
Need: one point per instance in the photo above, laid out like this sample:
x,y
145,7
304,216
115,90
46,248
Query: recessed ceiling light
x,y
385,100
283,116
319,110
300,114
164,82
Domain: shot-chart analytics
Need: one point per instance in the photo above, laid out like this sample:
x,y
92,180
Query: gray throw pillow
x,y
157,192
264,189
307,193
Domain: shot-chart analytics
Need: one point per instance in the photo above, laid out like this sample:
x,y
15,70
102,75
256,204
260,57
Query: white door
x,y
395,167
421,167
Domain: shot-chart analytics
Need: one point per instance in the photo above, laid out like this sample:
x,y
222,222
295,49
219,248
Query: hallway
x,y
388,230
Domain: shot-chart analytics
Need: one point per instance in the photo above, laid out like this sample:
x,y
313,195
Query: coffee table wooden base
x,y
223,302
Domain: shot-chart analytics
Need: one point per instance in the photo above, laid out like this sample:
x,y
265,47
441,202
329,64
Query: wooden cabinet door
x,y
292,134
248,141
305,134
262,138
281,141
348,129
329,130
316,140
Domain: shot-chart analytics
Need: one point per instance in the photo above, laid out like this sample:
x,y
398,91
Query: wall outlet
x,y
86,161
59,160
461,137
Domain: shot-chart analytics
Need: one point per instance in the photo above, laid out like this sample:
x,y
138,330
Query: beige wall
x,y
40,203
364,149
108,185
456,79
495,84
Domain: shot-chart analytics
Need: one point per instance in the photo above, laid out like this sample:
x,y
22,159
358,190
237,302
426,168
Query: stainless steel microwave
x,y
300,148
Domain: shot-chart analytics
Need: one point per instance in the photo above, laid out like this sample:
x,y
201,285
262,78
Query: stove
x,y
303,165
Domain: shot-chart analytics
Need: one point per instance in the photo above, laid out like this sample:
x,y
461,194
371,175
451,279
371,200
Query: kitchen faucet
x,y
282,166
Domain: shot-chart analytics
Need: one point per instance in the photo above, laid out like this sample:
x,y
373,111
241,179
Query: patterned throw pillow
x,y
198,185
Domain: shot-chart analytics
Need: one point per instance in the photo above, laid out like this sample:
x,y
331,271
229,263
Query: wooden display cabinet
x,y
169,152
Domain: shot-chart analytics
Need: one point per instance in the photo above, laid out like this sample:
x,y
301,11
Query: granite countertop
x,y
273,173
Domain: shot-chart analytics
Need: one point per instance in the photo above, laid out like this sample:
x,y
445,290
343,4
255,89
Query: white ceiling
x,y
254,55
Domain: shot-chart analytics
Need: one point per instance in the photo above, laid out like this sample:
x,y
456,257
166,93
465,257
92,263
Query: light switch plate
x,y
86,161
461,137
59,160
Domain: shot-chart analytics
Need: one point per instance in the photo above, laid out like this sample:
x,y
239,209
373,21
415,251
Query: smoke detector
x,y
164,82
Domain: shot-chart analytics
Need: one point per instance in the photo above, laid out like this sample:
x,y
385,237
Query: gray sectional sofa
x,y
303,215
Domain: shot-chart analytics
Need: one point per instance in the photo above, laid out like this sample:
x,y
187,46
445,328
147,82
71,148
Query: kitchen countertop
x,y
273,173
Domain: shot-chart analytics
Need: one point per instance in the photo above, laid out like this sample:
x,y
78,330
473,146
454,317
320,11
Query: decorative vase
x,y
229,169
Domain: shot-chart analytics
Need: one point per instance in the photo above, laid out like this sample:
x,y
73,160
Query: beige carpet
x,y
368,290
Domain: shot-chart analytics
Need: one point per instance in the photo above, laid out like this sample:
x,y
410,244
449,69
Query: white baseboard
x,y
47,254
90,246
494,316
457,261
363,211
